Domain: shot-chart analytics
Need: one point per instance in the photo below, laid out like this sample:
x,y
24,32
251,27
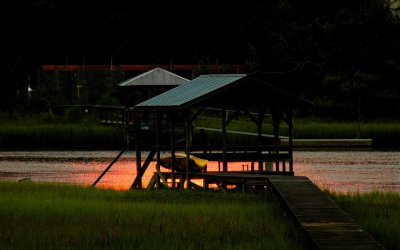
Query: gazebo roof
x,y
155,77
218,90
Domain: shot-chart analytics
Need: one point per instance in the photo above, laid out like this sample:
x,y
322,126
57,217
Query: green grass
x,y
59,216
383,134
57,136
43,131
377,212
311,129
316,130
49,216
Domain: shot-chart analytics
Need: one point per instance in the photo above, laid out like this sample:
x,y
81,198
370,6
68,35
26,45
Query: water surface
x,y
350,171
341,171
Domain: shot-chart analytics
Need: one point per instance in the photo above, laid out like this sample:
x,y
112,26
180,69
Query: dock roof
x,y
155,77
218,90
199,87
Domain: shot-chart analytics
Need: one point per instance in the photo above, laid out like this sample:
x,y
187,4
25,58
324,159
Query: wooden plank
x,y
325,224
330,143
241,132
143,169
239,156
152,181
108,168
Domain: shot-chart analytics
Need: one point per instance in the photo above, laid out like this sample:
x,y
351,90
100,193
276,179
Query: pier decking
x,y
326,225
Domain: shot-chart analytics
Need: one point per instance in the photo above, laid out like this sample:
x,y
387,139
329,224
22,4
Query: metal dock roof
x,y
155,77
190,91
217,90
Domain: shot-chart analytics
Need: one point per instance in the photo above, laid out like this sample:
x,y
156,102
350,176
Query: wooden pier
x,y
324,223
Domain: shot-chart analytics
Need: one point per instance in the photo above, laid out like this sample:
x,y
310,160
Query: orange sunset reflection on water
x,y
342,171
122,174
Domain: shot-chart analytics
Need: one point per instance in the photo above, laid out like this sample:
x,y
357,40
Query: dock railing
x,y
268,158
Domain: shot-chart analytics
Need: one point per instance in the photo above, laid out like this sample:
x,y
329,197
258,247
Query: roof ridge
x,y
228,74
127,82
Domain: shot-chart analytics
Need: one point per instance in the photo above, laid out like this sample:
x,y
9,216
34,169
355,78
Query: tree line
x,y
343,55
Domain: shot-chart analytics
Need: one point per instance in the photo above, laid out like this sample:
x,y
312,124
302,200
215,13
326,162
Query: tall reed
x,y
49,216
51,136
377,212
33,133
383,135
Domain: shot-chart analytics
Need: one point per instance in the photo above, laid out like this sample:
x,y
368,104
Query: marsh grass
x,y
43,132
49,216
377,212
60,136
383,134
312,129
316,130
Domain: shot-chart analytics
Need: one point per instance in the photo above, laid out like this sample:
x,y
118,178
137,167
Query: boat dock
x,y
172,116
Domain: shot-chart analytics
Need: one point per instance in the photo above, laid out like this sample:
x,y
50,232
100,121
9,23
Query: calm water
x,y
340,171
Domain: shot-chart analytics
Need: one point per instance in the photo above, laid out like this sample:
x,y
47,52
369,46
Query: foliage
x,y
343,55
107,100
73,115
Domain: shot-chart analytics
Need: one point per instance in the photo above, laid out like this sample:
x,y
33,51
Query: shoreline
x,y
325,144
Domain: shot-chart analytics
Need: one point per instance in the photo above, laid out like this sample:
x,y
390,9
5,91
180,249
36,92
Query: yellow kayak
x,y
195,164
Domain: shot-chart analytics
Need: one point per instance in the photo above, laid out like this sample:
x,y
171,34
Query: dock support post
x,y
138,158
290,127
260,121
276,122
126,121
224,158
108,168
173,159
143,169
188,125
158,132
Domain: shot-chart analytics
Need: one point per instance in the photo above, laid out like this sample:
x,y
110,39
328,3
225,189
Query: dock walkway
x,y
325,224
